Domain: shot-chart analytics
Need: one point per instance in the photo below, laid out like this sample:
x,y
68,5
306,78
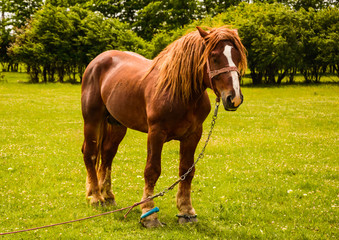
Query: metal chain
x,y
200,156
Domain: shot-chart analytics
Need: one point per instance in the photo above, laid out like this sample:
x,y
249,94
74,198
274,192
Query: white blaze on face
x,y
235,78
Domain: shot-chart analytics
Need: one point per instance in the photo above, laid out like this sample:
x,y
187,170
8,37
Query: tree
x,y
5,41
320,43
312,4
214,7
305,4
20,11
164,15
109,8
65,3
14,14
64,40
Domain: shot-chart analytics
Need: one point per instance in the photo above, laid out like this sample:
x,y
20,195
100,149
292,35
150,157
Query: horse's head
x,y
222,66
224,75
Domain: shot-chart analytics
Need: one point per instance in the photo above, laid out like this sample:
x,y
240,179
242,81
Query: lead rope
x,y
162,193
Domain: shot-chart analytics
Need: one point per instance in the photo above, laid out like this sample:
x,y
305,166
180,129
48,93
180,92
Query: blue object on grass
x,y
154,210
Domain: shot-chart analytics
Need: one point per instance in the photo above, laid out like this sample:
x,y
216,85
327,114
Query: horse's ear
x,y
235,31
202,32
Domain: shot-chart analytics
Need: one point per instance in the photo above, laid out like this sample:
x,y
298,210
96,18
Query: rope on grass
x,y
81,219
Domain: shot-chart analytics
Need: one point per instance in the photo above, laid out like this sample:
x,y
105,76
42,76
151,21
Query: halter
x,y
213,73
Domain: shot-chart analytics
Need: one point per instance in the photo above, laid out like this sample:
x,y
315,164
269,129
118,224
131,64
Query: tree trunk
x,y
81,72
61,73
281,76
34,74
256,77
51,72
292,74
270,75
44,74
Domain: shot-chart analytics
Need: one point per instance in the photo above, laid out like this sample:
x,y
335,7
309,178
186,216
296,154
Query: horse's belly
x,y
127,107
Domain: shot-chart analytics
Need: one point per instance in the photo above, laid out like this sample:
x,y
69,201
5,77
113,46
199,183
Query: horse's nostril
x,y
229,99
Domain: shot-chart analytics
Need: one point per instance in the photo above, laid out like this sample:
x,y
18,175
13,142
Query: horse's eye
x,y
214,59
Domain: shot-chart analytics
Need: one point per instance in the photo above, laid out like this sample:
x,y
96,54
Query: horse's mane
x,y
181,64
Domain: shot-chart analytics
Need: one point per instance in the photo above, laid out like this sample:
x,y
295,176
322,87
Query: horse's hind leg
x,y
90,151
112,136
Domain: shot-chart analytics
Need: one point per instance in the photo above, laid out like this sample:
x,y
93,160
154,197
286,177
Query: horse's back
x,y
112,60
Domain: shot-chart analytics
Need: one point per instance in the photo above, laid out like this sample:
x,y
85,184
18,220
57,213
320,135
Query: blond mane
x,y
181,64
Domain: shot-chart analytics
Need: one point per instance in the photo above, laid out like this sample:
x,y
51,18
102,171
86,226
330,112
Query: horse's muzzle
x,y
228,102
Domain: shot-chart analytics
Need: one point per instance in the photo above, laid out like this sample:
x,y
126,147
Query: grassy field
x,y
270,170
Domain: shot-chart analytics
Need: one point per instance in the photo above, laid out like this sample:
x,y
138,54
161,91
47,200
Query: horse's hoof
x,y
110,202
151,223
182,219
96,201
109,198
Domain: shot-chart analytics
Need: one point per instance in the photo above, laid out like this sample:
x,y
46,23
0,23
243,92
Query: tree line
x,y
56,39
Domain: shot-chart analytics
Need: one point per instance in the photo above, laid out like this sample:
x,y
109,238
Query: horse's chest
x,y
183,127
178,121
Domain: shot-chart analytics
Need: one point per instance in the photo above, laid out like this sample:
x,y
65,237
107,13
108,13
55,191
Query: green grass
x,y
270,170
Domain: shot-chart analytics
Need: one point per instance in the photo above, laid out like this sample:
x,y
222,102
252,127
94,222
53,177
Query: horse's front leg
x,y
152,172
184,202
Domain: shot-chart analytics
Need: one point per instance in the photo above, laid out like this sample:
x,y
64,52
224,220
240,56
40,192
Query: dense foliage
x,y
60,37
60,40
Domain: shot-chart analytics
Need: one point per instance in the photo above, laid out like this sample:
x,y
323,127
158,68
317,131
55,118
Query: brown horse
x,y
165,98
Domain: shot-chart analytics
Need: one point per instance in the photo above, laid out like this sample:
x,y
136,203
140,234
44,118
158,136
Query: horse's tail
x,y
100,139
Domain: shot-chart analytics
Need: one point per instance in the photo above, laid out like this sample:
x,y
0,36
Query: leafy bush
x,y
63,41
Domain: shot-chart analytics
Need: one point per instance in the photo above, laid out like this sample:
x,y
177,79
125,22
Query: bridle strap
x,y
213,73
